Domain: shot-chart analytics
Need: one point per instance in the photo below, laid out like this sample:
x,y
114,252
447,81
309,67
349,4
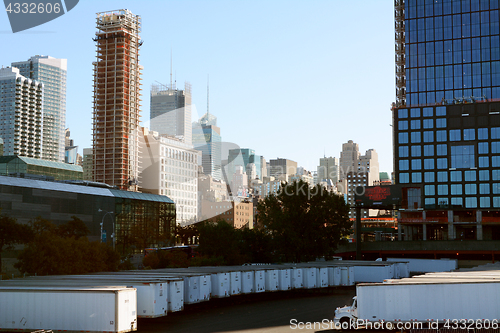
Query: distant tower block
x,y
117,87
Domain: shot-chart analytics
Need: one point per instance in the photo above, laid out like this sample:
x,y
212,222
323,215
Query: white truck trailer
x,y
74,309
445,302
152,295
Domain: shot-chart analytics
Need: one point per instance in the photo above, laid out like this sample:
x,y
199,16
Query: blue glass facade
x,y
446,119
457,165
452,50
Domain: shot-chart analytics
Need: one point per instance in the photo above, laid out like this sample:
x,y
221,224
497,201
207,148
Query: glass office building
x,y
446,119
207,139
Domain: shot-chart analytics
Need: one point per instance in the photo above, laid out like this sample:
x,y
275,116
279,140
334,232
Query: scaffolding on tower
x,y
116,102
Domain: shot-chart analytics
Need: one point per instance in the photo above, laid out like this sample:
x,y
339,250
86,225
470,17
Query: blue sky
x,y
290,79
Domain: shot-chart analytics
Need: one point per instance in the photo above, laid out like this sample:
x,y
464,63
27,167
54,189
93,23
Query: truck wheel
x,y
344,323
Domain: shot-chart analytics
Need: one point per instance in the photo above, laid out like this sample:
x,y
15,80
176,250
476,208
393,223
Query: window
x,y
428,123
428,136
442,150
429,190
471,202
484,188
430,201
469,134
403,151
484,202
470,189
429,164
404,165
495,147
403,113
484,161
415,113
429,177
440,136
457,202
455,135
416,151
495,188
442,176
442,189
428,150
442,163
470,176
404,178
415,137
495,161
456,176
441,111
403,125
415,124
482,134
416,177
416,164
482,148
428,112
484,175
462,156
443,202
441,123
403,137
456,189
495,132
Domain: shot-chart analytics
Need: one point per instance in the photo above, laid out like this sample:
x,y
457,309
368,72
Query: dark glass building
x,y
446,118
138,220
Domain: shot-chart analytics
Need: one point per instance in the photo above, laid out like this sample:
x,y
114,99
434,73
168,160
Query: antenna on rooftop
x,y
170,68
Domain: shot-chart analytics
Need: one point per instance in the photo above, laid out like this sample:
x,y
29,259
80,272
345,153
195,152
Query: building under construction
x,y
117,76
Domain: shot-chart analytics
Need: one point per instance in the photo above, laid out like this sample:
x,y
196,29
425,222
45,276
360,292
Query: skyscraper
x,y
357,170
20,114
117,91
207,139
328,169
243,157
446,118
52,73
171,111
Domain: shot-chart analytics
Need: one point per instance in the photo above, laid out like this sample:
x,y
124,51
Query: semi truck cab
x,y
346,313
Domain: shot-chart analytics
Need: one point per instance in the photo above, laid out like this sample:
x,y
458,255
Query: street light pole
x,y
102,224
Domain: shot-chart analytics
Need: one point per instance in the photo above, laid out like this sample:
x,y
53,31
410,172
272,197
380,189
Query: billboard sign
x,y
378,197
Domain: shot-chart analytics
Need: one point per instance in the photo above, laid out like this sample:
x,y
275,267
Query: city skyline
x,y
256,61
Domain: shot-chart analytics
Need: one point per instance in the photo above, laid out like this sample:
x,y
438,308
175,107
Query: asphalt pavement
x,y
277,312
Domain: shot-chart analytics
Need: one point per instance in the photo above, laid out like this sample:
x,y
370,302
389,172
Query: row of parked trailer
x,y
112,302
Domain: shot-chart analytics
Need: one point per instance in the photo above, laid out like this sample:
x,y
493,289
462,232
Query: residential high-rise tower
x,y
52,73
117,91
21,103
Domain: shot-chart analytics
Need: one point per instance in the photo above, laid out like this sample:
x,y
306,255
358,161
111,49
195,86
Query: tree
x,y
186,235
64,250
220,239
74,228
305,223
12,233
